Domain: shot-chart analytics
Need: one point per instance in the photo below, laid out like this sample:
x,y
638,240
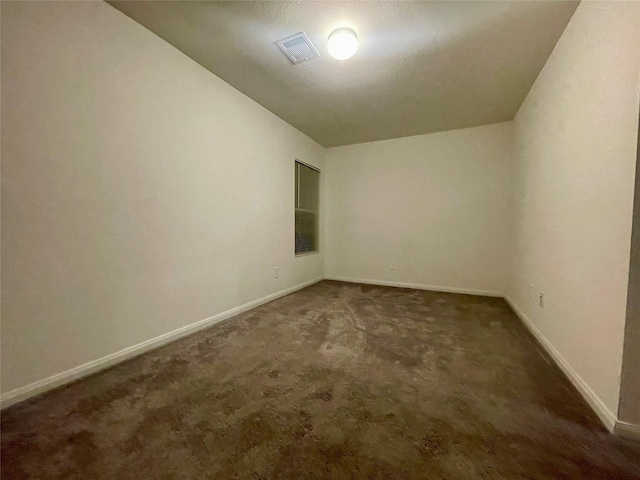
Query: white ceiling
x,y
421,66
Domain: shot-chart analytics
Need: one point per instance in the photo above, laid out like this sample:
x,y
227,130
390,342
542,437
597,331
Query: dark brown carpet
x,y
336,381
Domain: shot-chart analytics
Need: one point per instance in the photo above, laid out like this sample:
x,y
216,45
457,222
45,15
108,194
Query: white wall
x,y
140,193
435,204
573,194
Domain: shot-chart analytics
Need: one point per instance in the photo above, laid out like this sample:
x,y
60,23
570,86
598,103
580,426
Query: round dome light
x,y
343,43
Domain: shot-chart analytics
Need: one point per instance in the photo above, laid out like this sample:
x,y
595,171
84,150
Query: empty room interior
x,y
320,240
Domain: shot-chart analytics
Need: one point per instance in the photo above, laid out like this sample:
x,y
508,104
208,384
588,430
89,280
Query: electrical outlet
x,y
392,265
541,299
276,272
532,291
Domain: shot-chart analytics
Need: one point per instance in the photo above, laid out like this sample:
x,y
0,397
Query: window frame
x,y
296,202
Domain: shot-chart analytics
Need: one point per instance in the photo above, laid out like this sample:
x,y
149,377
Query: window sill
x,y
306,254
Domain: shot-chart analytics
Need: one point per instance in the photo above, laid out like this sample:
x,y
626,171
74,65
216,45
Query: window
x,y
306,207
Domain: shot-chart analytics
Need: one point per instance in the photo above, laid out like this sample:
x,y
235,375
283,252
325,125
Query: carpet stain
x,y
336,381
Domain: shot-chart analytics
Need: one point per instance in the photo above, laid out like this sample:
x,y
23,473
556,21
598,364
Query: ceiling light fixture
x,y
343,43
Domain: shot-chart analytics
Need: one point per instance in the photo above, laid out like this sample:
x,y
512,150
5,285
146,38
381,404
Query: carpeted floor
x,y
336,381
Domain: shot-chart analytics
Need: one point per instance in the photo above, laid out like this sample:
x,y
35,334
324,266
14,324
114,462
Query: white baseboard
x,y
41,386
606,416
603,412
417,286
628,430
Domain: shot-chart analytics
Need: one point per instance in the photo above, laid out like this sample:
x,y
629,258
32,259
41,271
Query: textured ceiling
x,y
421,66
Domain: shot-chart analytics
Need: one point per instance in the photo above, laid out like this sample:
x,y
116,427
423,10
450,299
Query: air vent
x,y
298,48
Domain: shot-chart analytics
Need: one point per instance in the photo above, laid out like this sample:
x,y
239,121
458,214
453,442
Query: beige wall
x,y
436,205
573,193
140,193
